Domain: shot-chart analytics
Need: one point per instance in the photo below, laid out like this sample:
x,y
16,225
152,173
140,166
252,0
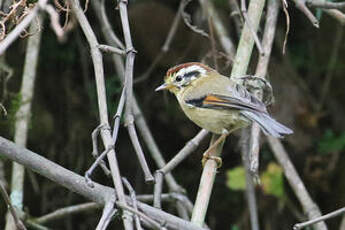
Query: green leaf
x,y
236,178
272,180
331,143
234,227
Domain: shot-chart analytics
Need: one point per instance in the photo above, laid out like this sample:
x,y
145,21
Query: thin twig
x,y
129,118
239,69
157,191
117,116
250,187
140,154
187,20
23,115
177,159
110,49
236,15
134,202
98,161
300,4
330,68
108,212
190,146
140,119
15,33
213,43
326,4
220,28
261,70
249,25
95,154
245,46
106,27
75,183
165,48
18,223
102,103
154,223
66,211
309,207
336,14
342,224
321,218
54,22
287,18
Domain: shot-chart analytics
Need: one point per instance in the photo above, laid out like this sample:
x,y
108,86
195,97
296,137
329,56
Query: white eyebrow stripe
x,y
189,69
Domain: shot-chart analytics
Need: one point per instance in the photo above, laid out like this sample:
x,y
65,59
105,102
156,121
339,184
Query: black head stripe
x,y
191,74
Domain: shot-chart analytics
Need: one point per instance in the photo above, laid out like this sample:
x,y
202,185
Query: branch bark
x,y
23,116
102,103
100,194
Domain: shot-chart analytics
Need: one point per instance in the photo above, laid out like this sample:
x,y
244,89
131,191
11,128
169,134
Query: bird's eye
x,y
179,78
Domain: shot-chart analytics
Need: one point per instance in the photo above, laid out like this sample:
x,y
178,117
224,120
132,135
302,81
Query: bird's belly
x,y
216,120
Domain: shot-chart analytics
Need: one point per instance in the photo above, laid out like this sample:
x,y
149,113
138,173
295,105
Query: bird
x,y
217,103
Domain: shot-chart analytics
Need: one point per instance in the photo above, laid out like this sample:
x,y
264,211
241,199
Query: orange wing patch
x,y
211,99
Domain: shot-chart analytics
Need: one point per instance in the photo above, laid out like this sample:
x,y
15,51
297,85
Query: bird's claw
x,y
207,157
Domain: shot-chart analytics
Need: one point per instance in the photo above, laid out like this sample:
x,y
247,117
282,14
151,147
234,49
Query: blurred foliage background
x,y
65,113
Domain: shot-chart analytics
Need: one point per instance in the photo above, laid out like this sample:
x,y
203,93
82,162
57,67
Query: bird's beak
x,y
162,87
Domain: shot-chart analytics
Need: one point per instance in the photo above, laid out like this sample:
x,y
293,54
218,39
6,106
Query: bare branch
x,y
206,184
108,212
23,115
54,22
287,18
18,223
250,187
72,181
166,46
66,211
102,103
300,4
110,49
190,146
337,14
326,4
246,43
13,35
249,25
187,20
177,159
134,202
321,218
261,70
220,29
129,91
309,207
338,40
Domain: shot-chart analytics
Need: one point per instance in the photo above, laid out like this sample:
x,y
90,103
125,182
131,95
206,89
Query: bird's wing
x,y
236,97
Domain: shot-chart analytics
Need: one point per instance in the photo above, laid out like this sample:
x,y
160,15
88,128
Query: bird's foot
x,y
207,157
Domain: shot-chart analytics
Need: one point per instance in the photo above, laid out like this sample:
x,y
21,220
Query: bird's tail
x,y
267,124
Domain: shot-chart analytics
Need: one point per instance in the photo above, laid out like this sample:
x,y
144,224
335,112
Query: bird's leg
x,y
207,155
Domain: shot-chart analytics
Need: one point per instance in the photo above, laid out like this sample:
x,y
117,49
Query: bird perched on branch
x,y
216,103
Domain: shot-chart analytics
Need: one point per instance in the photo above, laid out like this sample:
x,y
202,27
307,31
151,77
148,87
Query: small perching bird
x,y
216,103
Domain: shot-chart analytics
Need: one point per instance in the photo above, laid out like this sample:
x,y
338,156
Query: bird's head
x,y
181,76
